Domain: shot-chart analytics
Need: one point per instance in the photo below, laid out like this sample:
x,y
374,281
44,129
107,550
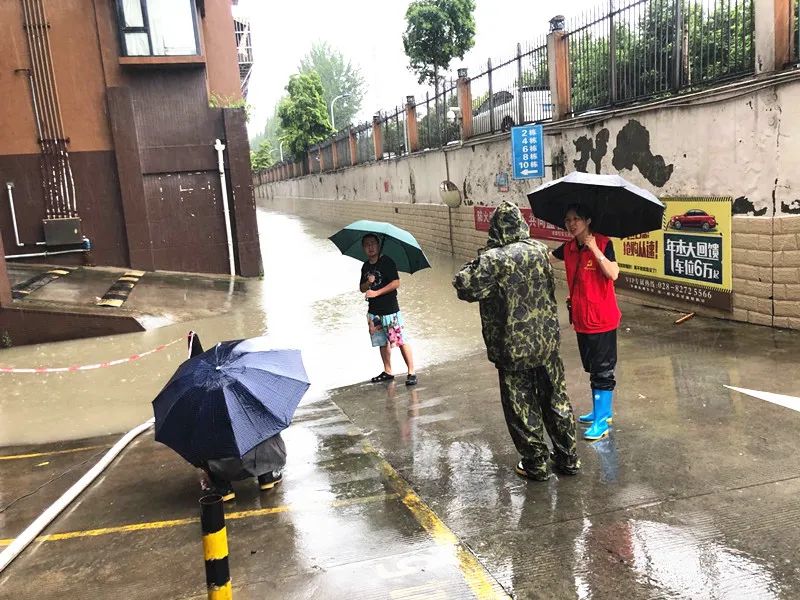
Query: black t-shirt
x,y
385,272
608,252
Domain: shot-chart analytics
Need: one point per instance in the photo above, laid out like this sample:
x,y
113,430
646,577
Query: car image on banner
x,y
693,218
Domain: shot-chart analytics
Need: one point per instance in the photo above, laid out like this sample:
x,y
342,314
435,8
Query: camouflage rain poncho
x,y
513,280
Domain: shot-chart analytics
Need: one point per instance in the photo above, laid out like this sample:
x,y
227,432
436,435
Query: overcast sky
x,y
369,33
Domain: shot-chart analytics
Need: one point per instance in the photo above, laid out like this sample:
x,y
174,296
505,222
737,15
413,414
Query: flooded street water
x,y
308,299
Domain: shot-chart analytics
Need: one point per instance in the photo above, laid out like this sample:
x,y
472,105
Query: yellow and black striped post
x,y
215,548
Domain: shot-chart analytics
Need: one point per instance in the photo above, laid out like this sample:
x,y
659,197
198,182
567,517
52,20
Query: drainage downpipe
x,y
10,187
219,147
34,529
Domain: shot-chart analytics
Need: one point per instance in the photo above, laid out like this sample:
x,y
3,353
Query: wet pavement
x,y
156,300
395,492
308,299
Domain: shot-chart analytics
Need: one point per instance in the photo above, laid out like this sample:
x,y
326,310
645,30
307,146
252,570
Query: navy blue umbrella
x,y
227,400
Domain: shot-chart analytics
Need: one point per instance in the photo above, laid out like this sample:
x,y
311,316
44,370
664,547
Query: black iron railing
x,y
640,49
437,123
512,91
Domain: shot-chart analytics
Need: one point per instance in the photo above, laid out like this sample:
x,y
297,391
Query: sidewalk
x,y
155,298
395,492
54,304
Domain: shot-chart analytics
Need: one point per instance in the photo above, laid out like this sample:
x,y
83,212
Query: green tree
x,y
436,129
590,80
538,78
261,158
303,115
437,31
712,44
339,78
271,132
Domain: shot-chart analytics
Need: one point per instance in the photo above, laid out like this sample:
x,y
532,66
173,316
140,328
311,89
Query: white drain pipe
x,y
48,253
34,529
10,187
219,147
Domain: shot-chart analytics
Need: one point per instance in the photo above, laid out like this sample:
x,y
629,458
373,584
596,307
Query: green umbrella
x,y
396,243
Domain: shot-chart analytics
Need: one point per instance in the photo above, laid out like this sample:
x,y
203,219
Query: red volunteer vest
x,y
594,303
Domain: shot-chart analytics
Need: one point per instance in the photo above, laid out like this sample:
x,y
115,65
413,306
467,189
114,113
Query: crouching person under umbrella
x,y
512,280
223,411
266,462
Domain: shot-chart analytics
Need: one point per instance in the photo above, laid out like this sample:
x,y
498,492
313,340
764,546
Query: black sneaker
x,y
267,481
567,469
564,466
540,474
226,491
411,380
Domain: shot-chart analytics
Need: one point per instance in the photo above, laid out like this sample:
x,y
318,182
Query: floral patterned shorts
x,y
386,329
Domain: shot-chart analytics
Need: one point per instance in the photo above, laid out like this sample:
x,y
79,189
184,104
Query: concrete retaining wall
x,y
739,141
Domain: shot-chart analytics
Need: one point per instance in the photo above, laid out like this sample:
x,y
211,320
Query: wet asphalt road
x,y
393,492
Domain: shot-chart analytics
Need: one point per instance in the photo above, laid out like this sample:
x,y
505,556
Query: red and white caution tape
x,y
111,363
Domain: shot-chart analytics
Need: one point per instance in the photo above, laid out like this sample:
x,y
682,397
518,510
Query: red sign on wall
x,y
539,229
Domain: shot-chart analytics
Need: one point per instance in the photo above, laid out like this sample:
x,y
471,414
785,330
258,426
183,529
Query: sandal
x,y
411,380
384,376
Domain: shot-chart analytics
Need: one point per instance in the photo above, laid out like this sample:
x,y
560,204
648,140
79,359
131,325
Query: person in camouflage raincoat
x,y
512,280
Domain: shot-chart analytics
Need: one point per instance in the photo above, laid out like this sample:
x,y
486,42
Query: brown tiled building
x,y
109,119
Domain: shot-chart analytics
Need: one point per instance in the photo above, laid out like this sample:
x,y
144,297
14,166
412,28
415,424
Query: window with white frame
x,y
158,27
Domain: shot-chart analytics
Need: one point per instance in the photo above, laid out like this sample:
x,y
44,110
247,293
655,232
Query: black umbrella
x,y
618,208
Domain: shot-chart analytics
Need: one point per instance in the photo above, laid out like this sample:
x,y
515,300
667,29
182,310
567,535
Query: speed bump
x,y
27,287
118,293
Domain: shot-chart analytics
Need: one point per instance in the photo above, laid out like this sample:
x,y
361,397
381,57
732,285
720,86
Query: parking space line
x,y
791,402
243,514
53,453
480,581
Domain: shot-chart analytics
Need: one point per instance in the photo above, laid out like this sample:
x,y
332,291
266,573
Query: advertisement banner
x,y
689,259
539,229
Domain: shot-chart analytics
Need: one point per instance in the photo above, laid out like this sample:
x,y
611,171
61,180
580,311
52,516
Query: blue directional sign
x,y
527,152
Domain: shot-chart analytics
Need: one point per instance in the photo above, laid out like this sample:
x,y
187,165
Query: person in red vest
x,y
592,269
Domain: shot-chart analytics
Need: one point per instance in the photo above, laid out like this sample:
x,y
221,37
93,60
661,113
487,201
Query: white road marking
x,y
792,402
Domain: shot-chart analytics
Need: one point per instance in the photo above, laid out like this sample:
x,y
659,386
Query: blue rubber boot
x,y
602,412
588,418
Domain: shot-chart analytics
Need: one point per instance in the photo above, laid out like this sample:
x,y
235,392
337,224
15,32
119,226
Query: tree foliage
x,y
712,44
271,132
437,128
303,114
536,78
339,78
436,32
261,158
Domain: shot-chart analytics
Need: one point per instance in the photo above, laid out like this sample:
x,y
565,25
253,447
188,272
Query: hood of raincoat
x,y
513,282
507,226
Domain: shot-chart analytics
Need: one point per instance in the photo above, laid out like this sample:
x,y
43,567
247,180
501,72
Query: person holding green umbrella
x,y
379,282
384,249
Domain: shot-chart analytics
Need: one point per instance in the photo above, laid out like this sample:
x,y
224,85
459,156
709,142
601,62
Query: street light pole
x,y
333,125
280,147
